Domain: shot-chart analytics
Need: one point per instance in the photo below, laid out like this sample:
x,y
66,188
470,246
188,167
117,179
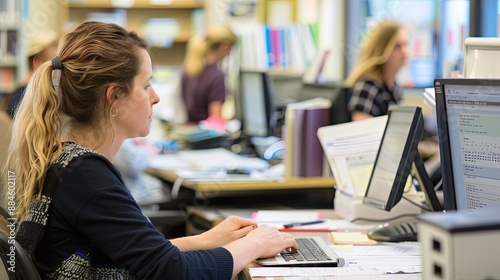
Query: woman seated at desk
x,y
76,218
373,79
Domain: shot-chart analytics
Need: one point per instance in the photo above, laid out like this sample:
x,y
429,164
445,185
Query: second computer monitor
x,y
468,117
395,157
256,104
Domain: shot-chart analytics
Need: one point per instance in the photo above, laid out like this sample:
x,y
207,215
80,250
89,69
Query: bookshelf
x,y
174,22
11,51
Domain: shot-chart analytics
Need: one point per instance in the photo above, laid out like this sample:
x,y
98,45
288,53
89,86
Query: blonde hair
x,y
198,47
375,51
93,57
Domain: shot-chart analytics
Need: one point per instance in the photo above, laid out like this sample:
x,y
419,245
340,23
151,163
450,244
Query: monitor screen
x,y
256,104
395,157
468,113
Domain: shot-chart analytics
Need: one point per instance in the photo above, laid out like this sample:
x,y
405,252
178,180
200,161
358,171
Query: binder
x,y
303,152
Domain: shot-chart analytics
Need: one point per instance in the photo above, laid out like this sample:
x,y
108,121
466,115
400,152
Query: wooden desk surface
x,y
222,185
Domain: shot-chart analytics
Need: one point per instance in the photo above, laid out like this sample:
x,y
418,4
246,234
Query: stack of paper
x,y
351,149
207,161
430,98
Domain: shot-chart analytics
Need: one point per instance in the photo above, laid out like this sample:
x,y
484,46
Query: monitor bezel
x,y
407,159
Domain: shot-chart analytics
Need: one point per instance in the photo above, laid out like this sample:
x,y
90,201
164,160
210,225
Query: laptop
x,y
313,251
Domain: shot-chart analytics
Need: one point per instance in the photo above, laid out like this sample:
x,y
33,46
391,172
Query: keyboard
x,y
308,251
312,251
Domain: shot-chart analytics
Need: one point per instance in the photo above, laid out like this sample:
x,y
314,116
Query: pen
x,y
302,224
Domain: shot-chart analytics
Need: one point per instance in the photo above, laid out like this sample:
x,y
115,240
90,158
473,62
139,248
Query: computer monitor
x,y
468,116
258,112
396,157
482,57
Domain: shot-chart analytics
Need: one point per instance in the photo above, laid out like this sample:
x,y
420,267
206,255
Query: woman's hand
x,y
229,230
262,242
272,241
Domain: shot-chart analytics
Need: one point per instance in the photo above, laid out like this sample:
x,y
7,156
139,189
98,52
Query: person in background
x,y
373,78
75,216
42,46
202,81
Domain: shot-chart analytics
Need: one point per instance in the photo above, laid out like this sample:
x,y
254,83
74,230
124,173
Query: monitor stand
x,y
407,231
426,185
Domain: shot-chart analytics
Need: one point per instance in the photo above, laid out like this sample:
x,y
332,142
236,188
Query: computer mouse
x,y
394,232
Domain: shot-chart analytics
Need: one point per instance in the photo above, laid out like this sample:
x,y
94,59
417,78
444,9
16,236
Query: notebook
x,y
313,251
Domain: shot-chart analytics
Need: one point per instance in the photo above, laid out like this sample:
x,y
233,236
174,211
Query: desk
x,y
311,192
212,216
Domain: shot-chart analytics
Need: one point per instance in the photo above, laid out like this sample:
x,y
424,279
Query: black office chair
x,y
16,264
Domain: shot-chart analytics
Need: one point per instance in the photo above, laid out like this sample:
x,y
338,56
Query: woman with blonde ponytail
x,y
202,81
76,218
373,78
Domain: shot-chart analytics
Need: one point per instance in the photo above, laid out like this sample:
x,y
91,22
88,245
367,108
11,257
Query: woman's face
x,y
399,55
134,112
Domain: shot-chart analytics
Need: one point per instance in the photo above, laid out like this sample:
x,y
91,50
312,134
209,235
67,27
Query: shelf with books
x,y
266,47
148,4
11,58
167,25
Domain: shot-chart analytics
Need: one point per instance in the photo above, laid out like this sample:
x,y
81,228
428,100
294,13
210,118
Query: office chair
x,y
20,261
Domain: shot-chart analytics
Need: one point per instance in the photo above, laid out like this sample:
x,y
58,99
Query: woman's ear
x,y
111,95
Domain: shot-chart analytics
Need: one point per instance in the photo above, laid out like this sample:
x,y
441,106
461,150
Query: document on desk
x,y
378,261
333,271
278,218
350,149
207,160
351,277
398,255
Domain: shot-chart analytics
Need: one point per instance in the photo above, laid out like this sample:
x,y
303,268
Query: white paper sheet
x,y
350,149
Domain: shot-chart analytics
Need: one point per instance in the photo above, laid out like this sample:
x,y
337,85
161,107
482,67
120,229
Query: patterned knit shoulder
x,y
31,229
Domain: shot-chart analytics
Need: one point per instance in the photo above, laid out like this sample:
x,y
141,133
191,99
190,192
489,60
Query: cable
x,y
439,184
416,204
384,220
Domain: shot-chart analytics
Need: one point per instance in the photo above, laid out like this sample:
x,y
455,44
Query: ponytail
x,y
36,132
195,56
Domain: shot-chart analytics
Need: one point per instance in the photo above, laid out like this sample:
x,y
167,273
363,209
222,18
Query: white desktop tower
x,y
460,245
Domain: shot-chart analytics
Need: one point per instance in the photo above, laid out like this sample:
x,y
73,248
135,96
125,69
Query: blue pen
x,y
302,224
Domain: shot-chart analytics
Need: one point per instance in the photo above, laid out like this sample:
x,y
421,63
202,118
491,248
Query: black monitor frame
x,y
410,162
444,146
268,99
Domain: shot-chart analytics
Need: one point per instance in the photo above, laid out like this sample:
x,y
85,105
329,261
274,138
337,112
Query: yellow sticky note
x,y
351,238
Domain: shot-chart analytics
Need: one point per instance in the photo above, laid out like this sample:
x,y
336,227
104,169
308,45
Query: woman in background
x,y
202,81
76,218
373,78
42,46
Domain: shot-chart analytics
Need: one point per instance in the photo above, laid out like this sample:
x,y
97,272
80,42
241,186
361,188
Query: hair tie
x,y
56,73
56,63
